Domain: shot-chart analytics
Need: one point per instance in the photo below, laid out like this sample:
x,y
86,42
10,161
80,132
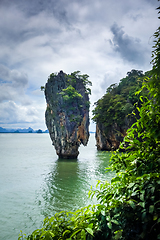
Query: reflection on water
x,y
61,187
34,184
66,186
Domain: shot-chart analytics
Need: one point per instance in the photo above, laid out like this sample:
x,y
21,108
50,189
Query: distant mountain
x,y
20,130
28,130
46,131
2,130
24,130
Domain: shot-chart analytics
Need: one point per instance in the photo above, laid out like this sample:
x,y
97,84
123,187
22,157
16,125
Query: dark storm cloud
x,y
129,48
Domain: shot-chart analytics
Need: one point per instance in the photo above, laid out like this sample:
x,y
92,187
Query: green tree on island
x,y
119,101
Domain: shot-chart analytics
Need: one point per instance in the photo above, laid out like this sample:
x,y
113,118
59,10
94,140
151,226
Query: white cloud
x,y
12,84
11,112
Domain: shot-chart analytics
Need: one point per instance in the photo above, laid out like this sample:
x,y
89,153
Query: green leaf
x,y
142,204
155,217
66,231
142,195
89,230
109,225
143,216
131,185
151,208
132,204
98,182
115,221
116,179
108,196
83,234
118,234
52,234
74,233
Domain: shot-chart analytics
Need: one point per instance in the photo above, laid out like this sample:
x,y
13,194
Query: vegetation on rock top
x,y
116,106
72,97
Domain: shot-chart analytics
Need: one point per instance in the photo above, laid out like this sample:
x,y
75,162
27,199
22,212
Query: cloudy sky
x,y
102,38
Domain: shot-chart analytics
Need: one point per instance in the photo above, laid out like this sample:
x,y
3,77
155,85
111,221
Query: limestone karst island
x,y
67,113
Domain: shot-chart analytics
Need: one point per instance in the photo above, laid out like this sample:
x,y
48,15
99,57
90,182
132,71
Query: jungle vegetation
x,y
72,97
129,206
119,101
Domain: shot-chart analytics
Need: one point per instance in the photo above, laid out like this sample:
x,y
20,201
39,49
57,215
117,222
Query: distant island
x,y
22,130
25,130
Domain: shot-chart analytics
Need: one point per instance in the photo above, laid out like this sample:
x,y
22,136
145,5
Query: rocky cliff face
x,y
112,139
67,113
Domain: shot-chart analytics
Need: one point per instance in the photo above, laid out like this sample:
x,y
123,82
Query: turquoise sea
x,y
34,183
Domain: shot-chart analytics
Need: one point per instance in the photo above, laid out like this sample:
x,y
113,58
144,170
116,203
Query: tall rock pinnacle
x,y
67,113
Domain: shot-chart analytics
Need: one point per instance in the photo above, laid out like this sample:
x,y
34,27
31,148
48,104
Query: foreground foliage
x,y
130,205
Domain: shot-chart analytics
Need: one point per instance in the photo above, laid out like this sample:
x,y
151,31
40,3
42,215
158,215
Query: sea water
x,y
35,184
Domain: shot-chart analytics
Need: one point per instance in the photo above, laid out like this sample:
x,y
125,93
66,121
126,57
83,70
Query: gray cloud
x,y
16,28
12,113
33,8
129,48
40,37
153,2
110,78
12,84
